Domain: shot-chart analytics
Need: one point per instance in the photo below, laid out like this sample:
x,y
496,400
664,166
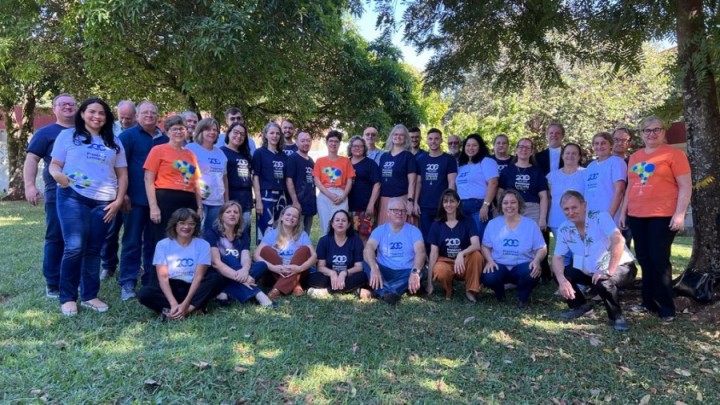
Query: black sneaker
x,y
52,292
576,313
620,325
391,298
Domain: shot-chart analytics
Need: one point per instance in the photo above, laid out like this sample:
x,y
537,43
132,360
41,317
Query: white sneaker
x,y
317,292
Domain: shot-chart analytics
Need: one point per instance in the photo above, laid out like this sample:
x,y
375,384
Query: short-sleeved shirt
x,y
396,250
592,254
451,241
502,163
559,183
472,178
511,247
182,260
340,258
213,167
375,155
270,168
137,143
300,170
600,179
367,174
394,171
434,173
90,167
653,189
239,173
226,247
334,173
286,252
41,145
290,149
528,181
174,169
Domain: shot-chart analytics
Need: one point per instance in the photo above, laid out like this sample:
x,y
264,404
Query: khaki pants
x,y
286,284
444,273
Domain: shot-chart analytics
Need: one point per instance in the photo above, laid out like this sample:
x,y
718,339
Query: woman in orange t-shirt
x,y
658,194
171,178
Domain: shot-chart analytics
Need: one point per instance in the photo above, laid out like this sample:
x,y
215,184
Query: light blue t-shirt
x,y
89,166
472,178
591,254
285,252
213,167
559,183
511,247
600,179
396,250
182,260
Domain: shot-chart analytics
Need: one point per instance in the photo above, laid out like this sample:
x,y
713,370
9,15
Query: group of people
x,y
392,221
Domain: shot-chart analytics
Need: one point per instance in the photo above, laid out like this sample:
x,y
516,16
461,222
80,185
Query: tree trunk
x,y
13,148
702,122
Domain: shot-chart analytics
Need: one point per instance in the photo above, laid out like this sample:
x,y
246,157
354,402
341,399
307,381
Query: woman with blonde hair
x,y
287,252
398,172
269,172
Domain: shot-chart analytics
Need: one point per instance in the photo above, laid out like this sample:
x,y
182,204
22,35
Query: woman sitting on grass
x,y
340,255
287,251
230,253
183,283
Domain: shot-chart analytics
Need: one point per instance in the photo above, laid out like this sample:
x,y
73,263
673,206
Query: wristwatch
x,y
485,203
415,270
411,199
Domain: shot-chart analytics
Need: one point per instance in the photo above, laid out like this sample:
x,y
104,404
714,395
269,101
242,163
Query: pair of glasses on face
x,y
648,131
397,210
64,105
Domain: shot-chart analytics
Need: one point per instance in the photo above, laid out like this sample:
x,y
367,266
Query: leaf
x,y
625,369
202,365
240,369
61,344
36,392
682,372
532,356
645,400
140,358
699,397
151,383
468,320
501,395
706,371
595,341
608,398
595,392
355,347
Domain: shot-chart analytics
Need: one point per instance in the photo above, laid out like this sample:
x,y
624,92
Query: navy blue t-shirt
x,y
239,174
340,258
394,172
289,150
434,176
41,144
367,174
137,144
216,239
450,241
300,170
270,168
502,164
529,182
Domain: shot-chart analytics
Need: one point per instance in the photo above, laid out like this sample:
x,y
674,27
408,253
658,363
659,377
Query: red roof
x,y
42,118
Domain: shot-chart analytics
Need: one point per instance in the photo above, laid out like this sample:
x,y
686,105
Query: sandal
x,y
95,304
470,296
69,308
274,294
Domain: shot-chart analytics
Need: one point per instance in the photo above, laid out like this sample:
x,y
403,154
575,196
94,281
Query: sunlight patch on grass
x,y
449,363
319,377
270,353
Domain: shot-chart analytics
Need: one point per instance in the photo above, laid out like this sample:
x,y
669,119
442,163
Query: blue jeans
x,y
471,208
240,291
137,247
394,281
109,252
519,275
273,203
54,245
81,220
210,214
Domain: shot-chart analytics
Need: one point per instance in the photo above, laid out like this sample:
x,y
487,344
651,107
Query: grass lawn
x,y
336,349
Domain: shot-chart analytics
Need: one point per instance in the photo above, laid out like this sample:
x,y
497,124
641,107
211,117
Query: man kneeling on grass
x,y
394,255
600,257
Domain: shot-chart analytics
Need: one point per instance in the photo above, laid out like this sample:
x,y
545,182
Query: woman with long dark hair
x,y
89,166
477,181
240,171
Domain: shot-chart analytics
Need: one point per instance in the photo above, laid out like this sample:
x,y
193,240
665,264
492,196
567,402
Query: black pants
x,y
211,285
168,202
546,273
653,241
608,288
352,281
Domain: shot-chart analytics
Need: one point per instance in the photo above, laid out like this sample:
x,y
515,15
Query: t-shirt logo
x,y
388,169
522,182
511,243
186,170
185,262
243,168
232,252
452,245
396,245
278,167
644,170
79,180
431,172
332,173
309,175
214,161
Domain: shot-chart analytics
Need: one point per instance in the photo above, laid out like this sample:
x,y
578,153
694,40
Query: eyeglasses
x,y
397,210
63,105
148,113
523,147
178,129
453,143
235,118
648,131
620,140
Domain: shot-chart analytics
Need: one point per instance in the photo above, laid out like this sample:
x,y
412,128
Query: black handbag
x,y
696,285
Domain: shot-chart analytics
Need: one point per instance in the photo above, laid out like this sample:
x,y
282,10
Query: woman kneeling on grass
x,y
340,255
230,253
183,283
287,251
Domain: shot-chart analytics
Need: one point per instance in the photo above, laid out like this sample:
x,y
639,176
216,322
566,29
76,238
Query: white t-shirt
x,y
592,254
554,158
182,261
213,166
559,183
600,178
472,178
511,247
89,166
396,250
286,252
